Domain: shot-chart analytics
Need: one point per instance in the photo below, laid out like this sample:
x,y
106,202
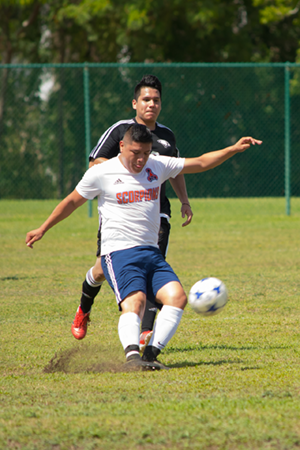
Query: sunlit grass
x,y
234,382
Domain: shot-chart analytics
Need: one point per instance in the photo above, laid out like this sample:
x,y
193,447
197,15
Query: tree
x,y
148,30
43,133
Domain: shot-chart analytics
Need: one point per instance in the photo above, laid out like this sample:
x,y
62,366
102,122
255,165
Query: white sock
x,y
165,326
91,280
129,331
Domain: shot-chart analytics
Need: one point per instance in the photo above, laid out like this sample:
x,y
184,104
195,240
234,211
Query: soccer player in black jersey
x,y
147,104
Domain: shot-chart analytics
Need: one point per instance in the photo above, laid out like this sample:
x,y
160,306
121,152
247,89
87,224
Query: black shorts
x,y
98,242
163,237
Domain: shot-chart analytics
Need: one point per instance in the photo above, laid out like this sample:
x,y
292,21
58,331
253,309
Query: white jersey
x,y
128,203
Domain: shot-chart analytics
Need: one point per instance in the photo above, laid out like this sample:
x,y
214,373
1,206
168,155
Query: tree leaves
x,y
149,30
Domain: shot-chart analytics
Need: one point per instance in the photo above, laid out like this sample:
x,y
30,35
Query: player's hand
x,y
33,236
186,211
244,143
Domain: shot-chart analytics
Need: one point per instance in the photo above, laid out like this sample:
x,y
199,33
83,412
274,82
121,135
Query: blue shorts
x,y
141,268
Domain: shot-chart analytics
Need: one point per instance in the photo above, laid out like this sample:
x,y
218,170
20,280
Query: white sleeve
x,y
90,185
173,167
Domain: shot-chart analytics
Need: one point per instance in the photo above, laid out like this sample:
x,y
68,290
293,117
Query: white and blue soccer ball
x,y
208,296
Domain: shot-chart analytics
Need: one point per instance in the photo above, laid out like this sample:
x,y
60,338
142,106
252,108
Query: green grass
x,y
235,378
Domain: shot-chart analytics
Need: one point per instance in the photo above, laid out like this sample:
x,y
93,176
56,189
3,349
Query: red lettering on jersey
x,y
131,196
155,193
148,194
138,196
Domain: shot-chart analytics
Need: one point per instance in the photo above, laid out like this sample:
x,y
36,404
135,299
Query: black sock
x,y
88,294
132,352
149,316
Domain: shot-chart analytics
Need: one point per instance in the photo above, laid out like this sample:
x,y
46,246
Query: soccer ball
x,y
208,296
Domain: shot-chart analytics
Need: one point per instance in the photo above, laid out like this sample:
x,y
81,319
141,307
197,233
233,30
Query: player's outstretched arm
x,y
210,160
61,212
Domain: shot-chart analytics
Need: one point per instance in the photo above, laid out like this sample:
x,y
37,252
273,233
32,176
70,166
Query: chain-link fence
x,y
52,115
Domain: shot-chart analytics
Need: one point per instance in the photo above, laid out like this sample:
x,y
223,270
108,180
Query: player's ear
x,y
134,103
121,145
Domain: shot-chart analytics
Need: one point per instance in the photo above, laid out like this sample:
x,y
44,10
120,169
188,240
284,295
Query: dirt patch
x,y
86,359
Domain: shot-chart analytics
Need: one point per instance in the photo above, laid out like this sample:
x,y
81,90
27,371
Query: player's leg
x,y
93,280
90,288
169,292
128,279
151,309
174,301
133,307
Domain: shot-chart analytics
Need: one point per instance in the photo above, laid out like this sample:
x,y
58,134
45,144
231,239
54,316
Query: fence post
x,y
287,126
87,122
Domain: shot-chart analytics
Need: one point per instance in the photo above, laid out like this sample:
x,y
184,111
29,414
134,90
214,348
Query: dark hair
x,y
138,133
147,81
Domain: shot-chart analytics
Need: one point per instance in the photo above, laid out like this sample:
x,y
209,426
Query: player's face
x,y
147,106
134,155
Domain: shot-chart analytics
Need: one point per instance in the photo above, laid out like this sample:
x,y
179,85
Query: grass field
x,y
235,378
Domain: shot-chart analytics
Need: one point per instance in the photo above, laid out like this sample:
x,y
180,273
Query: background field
x,y
234,382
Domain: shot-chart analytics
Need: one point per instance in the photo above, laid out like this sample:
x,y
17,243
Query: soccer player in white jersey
x,y
127,188
147,104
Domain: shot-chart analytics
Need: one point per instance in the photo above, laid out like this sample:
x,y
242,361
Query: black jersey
x,y
164,143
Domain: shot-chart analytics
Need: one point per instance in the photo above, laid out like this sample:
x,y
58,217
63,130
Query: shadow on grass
x,y
193,348
12,278
94,359
18,278
204,363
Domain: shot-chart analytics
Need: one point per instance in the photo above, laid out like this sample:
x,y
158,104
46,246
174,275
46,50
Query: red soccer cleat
x,y
80,323
145,339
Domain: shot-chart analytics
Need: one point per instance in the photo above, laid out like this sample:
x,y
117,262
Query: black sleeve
x,y
108,144
175,151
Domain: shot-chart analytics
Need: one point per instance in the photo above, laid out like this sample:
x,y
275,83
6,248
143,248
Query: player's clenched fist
x,y
33,236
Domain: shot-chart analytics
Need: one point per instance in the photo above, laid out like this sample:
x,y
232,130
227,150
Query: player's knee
x,y
180,301
177,296
173,295
134,302
98,274
100,278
